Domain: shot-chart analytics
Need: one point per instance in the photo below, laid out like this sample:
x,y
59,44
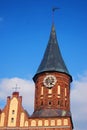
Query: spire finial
x,y
16,88
53,9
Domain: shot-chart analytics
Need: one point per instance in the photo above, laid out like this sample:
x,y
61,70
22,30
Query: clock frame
x,y
49,81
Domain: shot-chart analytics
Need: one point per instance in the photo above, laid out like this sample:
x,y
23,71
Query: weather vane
x,y
53,9
16,88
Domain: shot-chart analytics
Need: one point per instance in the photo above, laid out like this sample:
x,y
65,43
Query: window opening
x,y
49,102
58,102
12,120
13,111
41,103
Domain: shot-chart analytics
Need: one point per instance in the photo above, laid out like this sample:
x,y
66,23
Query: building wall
x,y
13,116
57,97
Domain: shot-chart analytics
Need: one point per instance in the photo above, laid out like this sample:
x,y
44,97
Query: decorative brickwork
x,y
13,116
50,98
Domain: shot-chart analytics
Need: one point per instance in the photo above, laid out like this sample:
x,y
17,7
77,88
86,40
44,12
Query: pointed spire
x,y
52,59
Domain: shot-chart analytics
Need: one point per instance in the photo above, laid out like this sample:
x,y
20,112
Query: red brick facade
x,y
53,99
23,121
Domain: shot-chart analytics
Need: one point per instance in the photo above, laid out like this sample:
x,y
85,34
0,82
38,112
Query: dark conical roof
x,y
52,59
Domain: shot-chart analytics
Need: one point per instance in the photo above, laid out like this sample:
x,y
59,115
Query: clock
x,y
49,81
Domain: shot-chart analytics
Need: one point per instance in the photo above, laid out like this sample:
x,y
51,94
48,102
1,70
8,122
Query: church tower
x,y
52,85
52,96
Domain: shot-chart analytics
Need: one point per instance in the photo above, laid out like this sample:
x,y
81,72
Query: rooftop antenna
x,y
16,88
53,9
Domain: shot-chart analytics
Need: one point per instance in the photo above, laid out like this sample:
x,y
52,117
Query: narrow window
x,y
61,102
58,102
12,120
65,92
41,103
65,103
42,90
13,111
58,90
50,91
49,102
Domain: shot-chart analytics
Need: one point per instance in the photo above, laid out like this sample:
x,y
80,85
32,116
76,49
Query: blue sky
x,y
24,32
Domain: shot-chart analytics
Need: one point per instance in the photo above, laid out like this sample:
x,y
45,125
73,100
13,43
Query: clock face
x,y
49,81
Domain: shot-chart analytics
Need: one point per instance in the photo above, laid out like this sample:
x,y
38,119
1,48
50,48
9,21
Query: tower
x,y
52,85
52,96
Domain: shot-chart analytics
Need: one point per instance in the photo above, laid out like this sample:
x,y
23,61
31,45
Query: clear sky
x,y
24,32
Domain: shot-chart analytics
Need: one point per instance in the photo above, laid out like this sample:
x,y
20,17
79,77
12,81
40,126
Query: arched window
x,y
40,123
33,123
52,122
46,123
12,120
65,122
13,111
59,122
26,123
